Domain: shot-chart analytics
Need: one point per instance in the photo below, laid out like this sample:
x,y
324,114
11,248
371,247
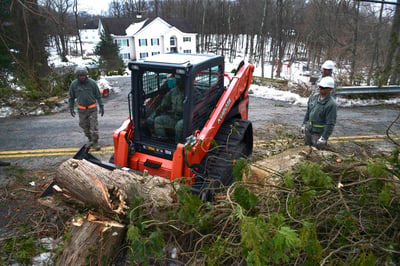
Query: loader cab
x,y
172,97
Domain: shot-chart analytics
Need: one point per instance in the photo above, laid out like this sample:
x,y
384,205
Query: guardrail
x,y
367,90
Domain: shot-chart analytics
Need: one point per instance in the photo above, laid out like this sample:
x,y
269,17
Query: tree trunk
x,y
353,79
107,191
391,63
94,241
77,26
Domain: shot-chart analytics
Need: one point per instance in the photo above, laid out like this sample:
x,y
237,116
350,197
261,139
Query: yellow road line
x,y
49,152
371,138
110,149
362,140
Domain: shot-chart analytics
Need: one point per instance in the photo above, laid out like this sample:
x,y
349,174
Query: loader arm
x,y
237,90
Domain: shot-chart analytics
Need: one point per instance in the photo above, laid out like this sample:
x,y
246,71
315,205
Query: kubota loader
x,y
199,136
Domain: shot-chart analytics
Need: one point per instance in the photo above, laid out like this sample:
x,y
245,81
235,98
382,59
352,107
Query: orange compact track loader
x,y
183,121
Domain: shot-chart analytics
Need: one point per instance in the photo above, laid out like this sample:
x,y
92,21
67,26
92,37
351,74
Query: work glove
x,y
321,143
71,110
303,129
101,112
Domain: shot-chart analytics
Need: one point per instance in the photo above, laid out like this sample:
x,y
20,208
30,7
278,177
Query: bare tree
x,y
62,22
77,25
392,68
374,58
339,30
355,40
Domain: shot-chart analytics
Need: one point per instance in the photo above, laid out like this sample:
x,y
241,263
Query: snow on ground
x,y
296,73
271,93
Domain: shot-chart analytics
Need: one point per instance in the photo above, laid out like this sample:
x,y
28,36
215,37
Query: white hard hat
x,y
328,64
327,82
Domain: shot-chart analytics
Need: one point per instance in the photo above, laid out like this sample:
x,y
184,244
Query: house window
x,y
125,56
154,53
122,42
172,41
143,55
155,41
187,51
187,39
142,42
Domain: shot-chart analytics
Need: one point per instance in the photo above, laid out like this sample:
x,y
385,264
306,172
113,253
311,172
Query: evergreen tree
x,y
108,51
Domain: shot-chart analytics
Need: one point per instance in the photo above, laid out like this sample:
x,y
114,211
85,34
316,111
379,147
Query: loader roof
x,y
178,59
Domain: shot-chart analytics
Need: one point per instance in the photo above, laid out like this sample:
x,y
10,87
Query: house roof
x,y
117,26
181,24
90,25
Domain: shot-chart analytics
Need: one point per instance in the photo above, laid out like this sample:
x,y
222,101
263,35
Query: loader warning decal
x,y
221,116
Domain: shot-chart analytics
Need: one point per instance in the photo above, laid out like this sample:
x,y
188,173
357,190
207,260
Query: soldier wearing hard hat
x,y
320,118
88,98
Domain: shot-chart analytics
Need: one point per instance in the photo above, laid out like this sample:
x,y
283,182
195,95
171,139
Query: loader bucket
x,y
83,153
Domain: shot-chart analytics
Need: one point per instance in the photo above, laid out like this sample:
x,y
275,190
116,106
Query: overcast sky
x,y
94,6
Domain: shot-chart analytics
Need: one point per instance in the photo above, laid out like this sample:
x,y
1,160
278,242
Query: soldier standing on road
x,y
320,118
87,93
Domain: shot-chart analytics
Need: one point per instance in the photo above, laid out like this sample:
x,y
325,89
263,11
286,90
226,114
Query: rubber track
x,y
219,160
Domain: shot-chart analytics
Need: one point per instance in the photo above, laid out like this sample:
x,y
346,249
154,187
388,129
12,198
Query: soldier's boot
x,y
90,142
96,145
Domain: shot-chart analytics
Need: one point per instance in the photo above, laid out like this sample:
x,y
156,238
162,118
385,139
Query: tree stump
x,y
94,241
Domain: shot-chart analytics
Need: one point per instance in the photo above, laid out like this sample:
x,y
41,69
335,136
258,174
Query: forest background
x,y
360,36
329,209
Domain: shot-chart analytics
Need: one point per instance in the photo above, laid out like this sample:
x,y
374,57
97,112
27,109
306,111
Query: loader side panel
x,y
121,146
151,164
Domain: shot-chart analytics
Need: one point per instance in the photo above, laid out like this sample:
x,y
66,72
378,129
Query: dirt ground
x,y
30,224
24,215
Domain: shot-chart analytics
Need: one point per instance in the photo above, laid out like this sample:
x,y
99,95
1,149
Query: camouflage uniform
x,y
173,117
87,93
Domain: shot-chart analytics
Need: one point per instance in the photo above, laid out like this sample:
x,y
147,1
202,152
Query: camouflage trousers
x,y
89,123
164,122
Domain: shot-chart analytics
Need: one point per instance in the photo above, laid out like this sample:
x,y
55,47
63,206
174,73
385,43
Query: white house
x,y
139,38
158,36
89,33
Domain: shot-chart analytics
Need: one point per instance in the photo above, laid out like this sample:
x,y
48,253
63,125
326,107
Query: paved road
x,y
62,131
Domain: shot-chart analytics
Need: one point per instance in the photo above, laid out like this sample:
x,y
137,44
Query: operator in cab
x,y
171,110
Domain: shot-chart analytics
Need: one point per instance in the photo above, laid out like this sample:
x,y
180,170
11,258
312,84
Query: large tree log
x,y
109,190
94,241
